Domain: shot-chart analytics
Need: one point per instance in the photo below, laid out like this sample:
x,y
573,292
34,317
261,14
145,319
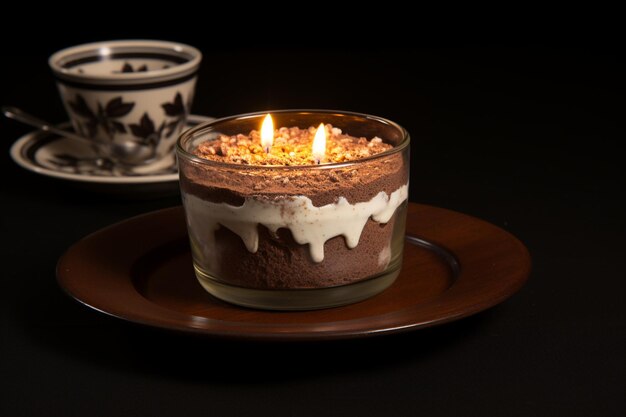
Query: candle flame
x,y
319,144
267,133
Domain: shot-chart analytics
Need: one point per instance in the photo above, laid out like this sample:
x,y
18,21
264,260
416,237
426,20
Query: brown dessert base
x,y
282,263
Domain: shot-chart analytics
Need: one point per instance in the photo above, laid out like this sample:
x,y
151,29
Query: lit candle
x,y
319,144
267,133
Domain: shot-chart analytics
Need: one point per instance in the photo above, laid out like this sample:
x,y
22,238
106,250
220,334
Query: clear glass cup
x,y
296,237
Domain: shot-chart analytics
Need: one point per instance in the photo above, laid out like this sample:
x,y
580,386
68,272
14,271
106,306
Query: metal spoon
x,y
127,153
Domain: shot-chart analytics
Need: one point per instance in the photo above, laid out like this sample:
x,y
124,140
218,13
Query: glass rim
x,y
181,152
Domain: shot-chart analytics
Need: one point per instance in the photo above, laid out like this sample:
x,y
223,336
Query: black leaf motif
x,y
145,130
147,123
118,127
145,127
80,107
117,108
129,68
137,131
176,108
178,111
178,101
102,117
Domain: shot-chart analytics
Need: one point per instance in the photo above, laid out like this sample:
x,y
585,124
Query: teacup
x,y
133,95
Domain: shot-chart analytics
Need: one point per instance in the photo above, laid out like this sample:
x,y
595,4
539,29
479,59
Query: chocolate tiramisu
x,y
280,218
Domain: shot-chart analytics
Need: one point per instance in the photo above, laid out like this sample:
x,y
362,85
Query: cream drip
x,y
308,224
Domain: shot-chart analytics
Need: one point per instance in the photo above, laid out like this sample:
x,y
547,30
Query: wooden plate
x,y
140,270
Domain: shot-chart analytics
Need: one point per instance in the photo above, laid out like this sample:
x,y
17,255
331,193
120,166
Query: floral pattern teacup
x,y
128,92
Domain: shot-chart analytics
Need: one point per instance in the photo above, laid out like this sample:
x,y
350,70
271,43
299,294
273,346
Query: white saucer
x,y
54,156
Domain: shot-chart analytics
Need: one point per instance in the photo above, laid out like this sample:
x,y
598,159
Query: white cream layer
x,y
308,224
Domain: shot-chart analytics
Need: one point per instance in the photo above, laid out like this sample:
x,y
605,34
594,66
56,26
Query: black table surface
x,y
525,138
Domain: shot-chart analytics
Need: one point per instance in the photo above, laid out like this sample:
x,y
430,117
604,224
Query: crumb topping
x,y
292,146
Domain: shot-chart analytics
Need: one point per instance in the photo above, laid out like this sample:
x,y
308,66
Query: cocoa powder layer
x,y
357,183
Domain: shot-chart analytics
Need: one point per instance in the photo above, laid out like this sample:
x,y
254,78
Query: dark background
x,y
523,135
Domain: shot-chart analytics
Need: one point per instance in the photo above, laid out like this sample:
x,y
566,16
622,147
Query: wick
x,y
267,149
318,161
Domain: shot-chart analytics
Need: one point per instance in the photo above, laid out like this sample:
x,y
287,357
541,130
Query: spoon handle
x,y
19,115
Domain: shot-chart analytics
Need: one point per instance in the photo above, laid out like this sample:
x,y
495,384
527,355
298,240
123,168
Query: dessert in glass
x,y
305,215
